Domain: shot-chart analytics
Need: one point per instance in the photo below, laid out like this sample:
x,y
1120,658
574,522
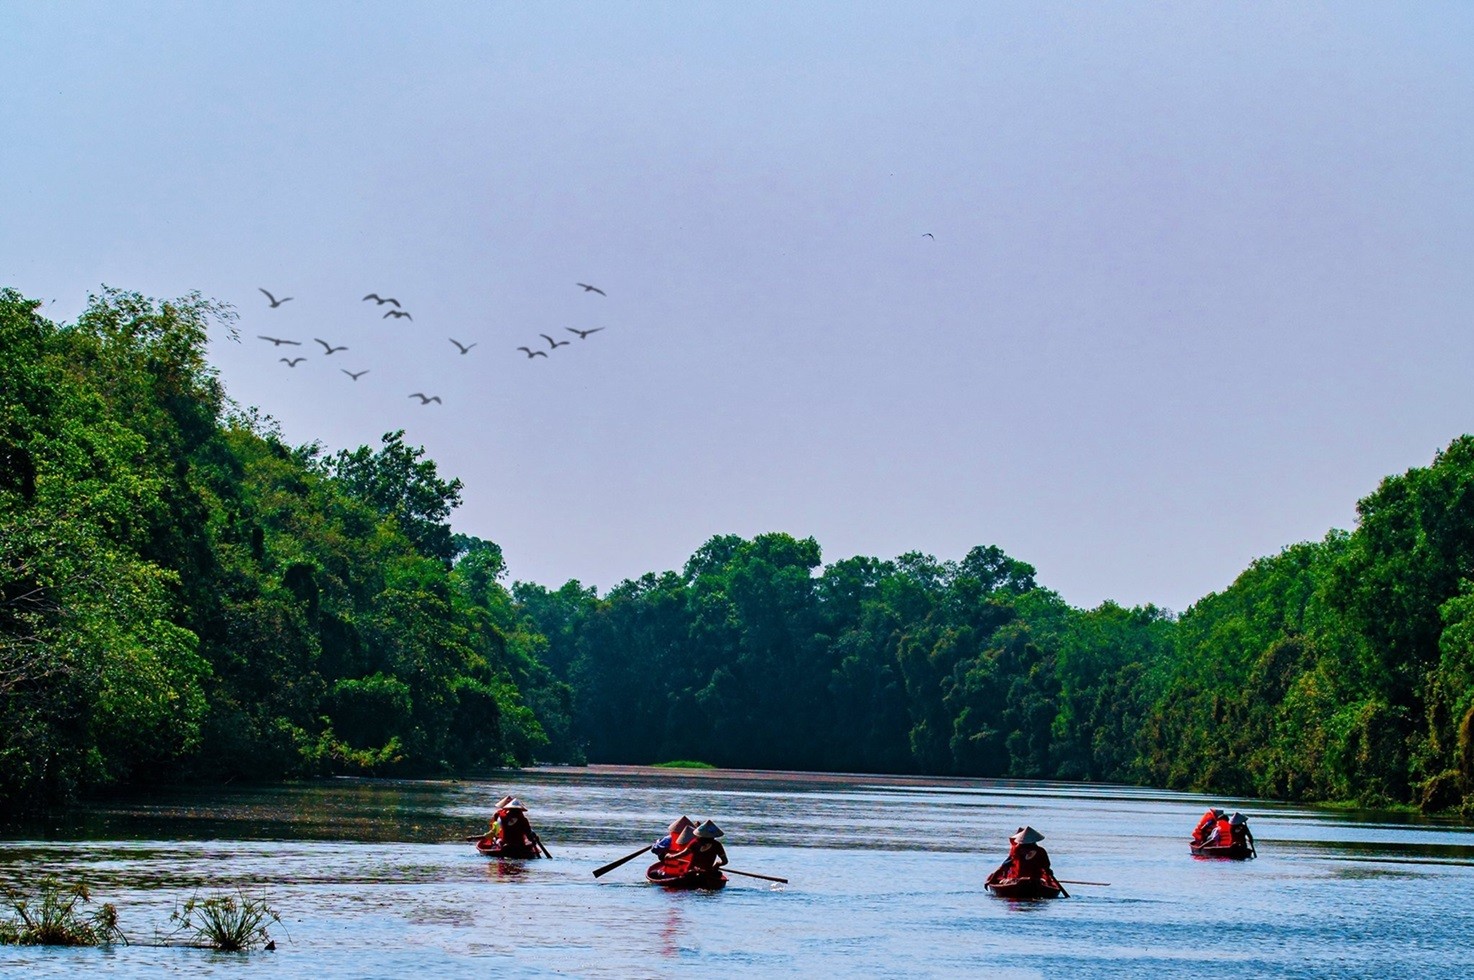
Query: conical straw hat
x,y
503,802
1027,835
678,825
513,804
708,830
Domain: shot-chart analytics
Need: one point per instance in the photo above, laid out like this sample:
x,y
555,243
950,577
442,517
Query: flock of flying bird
x,y
400,313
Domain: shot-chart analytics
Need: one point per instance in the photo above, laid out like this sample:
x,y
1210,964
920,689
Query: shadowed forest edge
x,y
183,596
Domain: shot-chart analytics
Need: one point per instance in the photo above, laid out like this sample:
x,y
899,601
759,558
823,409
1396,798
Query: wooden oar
x,y
749,874
541,846
1071,881
1061,887
601,872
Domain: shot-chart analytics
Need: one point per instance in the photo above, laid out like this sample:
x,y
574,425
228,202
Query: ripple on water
x,y
372,879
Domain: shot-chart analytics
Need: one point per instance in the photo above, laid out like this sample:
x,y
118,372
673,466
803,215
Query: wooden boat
x,y
1023,888
1234,852
711,879
492,849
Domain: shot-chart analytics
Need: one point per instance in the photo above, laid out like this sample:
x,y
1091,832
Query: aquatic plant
x,y
684,764
228,923
50,917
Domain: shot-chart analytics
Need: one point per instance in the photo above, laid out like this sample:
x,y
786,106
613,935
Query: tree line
x,y
183,595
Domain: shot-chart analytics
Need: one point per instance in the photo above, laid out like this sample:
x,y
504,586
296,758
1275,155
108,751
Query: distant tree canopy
x,y
182,595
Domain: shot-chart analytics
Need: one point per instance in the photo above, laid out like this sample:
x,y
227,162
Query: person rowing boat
x,y
1025,873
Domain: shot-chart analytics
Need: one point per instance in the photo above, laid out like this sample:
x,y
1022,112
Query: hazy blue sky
x,y
1201,273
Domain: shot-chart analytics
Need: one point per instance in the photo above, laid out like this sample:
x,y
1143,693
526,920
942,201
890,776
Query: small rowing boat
x,y
493,849
1239,851
1024,888
658,874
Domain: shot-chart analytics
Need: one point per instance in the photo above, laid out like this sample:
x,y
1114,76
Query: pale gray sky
x,y
1201,272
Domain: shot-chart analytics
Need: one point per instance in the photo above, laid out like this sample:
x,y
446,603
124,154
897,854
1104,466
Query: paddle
x,y
600,872
541,846
749,874
1071,881
1061,887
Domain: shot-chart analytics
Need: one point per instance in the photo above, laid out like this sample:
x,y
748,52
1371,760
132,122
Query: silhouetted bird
x,y
591,289
556,343
327,347
927,234
350,374
274,301
582,333
381,300
534,353
396,314
426,399
278,341
293,362
463,347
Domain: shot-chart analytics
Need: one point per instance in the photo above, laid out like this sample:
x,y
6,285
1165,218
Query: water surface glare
x,y
372,879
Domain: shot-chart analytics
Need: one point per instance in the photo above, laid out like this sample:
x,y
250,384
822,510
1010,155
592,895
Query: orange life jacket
x,y
1222,833
1204,827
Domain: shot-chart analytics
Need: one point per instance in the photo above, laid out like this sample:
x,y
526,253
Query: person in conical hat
x,y
1026,859
514,832
496,818
672,838
703,853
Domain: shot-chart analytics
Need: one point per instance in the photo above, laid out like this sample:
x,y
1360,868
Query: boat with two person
x,y
1222,835
509,834
689,856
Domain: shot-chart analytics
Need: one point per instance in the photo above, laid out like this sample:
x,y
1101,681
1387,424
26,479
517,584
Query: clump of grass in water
x,y
50,917
228,923
684,764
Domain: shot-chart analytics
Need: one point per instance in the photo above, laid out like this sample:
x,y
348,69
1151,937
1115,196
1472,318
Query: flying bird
x,y
927,234
582,334
556,343
327,347
591,289
292,362
396,314
350,374
274,301
278,341
426,399
534,353
463,347
381,300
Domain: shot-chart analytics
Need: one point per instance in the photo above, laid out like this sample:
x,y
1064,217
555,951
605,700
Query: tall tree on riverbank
x,y
183,594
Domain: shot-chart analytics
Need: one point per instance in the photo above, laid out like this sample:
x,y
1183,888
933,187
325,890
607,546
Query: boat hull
x,y
709,880
1023,889
493,850
1231,852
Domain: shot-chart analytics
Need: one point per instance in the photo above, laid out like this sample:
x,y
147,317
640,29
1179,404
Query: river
x,y
372,879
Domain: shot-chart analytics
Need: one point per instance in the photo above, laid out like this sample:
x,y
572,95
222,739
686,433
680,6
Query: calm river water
x,y
372,879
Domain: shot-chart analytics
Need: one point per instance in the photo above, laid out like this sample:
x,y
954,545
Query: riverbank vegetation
x,y
183,595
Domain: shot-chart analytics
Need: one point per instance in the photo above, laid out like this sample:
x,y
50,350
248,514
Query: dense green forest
x,y
184,596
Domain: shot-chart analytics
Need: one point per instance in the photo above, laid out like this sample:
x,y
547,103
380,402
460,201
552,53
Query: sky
x,y
1137,292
